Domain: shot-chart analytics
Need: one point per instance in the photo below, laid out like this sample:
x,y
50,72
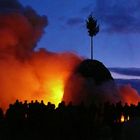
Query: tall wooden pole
x,y
92,48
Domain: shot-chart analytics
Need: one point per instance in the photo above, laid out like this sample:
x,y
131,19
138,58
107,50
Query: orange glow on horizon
x,y
129,95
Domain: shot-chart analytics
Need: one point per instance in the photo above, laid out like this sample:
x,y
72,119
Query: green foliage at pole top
x,y
92,26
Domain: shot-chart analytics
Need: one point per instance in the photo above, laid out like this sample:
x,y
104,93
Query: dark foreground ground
x,y
37,121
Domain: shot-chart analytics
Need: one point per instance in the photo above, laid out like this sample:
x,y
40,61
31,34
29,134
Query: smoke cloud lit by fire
x,y
26,74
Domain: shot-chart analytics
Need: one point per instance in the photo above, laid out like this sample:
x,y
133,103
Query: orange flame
x,y
42,77
56,90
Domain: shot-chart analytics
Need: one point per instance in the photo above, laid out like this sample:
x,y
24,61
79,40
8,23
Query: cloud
x,y
124,76
10,5
87,9
75,21
135,72
117,16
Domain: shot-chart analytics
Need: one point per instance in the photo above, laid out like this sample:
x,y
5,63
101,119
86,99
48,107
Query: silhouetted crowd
x,y
38,121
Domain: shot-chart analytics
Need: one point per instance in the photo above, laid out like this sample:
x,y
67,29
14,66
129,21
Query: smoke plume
x,y
129,95
79,89
92,82
26,74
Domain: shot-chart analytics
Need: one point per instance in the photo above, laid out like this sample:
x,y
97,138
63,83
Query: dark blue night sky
x,y
116,45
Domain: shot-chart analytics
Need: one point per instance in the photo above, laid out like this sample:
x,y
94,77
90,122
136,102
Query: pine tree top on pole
x,y
92,26
93,29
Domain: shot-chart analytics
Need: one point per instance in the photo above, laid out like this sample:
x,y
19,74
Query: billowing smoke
x,y
92,82
20,30
26,74
129,95
79,89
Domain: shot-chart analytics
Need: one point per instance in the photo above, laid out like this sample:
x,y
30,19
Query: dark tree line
x,y
37,121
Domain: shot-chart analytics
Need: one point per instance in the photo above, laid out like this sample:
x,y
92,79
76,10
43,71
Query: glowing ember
x,y
122,118
128,118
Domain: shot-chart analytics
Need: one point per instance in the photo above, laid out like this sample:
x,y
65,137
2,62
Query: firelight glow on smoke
x,y
26,74
57,91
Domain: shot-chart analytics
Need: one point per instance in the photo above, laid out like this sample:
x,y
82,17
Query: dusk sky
x,y
116,45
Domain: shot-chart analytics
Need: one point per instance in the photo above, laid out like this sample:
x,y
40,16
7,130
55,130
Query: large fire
x,y
27,74
56,88
38,78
